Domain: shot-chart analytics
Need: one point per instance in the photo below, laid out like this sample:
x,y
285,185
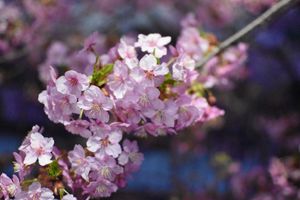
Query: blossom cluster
x,y
94,171
146,95
142,86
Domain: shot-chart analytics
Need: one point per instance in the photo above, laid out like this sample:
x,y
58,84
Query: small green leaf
x,y
28,182
168,81
99,76
61,192
158,61
54,170
198,89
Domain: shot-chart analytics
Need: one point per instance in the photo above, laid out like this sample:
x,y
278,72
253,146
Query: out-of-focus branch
x,y
275,9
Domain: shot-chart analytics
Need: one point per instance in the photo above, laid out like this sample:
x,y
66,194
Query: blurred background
x,y
234,157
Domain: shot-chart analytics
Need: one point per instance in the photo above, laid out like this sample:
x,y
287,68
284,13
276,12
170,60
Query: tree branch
x,y
275,9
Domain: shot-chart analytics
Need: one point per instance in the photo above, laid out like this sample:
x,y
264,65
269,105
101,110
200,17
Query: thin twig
x,y
247,29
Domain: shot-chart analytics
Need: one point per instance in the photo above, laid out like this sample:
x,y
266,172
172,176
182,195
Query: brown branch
x,y
275,9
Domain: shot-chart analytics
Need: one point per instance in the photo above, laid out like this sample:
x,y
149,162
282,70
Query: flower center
x,y
73,81
149,75
101,189
106,172
152,43
105,142
40,150
96,107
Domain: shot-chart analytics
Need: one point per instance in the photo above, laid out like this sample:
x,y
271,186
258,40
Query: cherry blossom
x,y
9,187
101,188
80,163
149,64
95,104
107,167
153,43
79,127
130,154
19,166
37,147
73,83
119,82
35,191
106,142
128,53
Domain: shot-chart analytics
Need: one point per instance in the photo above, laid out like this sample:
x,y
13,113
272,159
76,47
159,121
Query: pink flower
x,y
119,81
9,187
107,167
127,112
163,114
101,188
79,127
80,163
192,44
95,104
106,142
149,64
58,106
35,191
207,112
48,74
187,113
181,68
152,129
212,113
128,53
153,43
148,97
131,155
36,147
149,73
19,166
97,127
72,83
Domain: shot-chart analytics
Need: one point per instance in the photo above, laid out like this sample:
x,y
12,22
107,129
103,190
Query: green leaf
x,y
198,89
28,182
61,192
168,81
99,76
54,169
